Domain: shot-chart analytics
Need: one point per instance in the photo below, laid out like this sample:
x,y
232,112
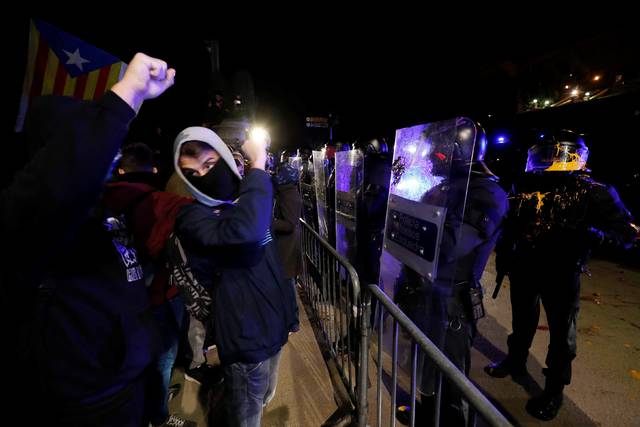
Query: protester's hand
x,y
255,150
145,78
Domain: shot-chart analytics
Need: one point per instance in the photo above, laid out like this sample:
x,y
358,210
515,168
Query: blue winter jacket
x,y
230,250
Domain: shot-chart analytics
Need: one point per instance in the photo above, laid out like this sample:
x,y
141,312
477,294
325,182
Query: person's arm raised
x,y
145,78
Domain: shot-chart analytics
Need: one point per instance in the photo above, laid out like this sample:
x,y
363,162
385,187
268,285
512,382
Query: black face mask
x,y
219,183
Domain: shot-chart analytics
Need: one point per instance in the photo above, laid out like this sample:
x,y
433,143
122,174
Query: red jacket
x,y
151,216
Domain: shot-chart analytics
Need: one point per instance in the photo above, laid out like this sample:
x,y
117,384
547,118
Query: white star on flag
x,y
76,59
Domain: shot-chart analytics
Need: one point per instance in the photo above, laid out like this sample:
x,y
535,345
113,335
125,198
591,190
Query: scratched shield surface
x,y
420,197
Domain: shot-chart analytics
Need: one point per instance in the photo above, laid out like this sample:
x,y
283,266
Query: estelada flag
x,y
61,64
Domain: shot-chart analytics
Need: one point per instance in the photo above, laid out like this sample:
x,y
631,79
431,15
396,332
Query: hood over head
x,y
209,137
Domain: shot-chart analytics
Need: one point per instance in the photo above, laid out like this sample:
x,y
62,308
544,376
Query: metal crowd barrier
x,y
443,366
342,311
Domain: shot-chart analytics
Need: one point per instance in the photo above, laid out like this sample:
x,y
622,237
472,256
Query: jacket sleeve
x,y
611,218
165,210
52,195
248,222
282,226
483,215
289,207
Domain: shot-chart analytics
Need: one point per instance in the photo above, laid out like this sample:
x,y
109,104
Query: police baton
x,y
499,279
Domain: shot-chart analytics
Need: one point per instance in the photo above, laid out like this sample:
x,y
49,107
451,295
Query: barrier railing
x,y
342,310
443,365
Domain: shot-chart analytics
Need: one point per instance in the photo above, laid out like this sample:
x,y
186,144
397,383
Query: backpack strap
x,y
198,300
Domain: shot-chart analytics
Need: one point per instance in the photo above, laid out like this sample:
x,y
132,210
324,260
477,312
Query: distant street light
x,y
535,101
596,78
547,102
574,92
566,86
587,94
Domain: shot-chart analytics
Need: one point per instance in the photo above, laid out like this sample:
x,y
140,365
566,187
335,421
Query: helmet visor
x,y
556,157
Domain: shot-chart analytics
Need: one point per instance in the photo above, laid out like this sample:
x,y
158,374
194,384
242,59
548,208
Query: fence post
x,y
363,372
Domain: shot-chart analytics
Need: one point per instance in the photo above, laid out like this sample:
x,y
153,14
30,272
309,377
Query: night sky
x,y
376,75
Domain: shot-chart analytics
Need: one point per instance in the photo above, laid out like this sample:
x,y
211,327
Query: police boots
x,y
546,406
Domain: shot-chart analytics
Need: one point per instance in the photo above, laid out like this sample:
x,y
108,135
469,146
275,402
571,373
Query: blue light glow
x,y
414,176
483,144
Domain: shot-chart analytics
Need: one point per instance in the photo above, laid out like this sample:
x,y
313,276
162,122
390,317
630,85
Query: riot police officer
x,y
447,308
557,214
374,207
307,190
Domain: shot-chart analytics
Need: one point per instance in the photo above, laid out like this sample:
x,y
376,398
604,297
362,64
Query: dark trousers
x,y
442,318
559,293
169,318
125,409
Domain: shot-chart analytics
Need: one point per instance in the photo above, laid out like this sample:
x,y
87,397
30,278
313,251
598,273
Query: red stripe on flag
x,y
61,79
102,82
40,67
81,82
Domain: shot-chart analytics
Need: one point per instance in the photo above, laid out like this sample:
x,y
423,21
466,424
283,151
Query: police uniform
x,y
447,309
557,214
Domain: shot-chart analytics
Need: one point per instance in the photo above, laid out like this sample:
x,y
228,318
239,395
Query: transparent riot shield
x,y
308,192
371,215
296,162
419,261
349,172
322,202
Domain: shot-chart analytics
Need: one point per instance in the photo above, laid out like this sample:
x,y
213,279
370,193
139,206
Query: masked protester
x,y
227,239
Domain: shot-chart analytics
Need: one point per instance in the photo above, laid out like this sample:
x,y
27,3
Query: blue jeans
x,y
249,387
169,320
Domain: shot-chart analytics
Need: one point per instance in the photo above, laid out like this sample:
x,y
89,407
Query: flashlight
x,y
260,134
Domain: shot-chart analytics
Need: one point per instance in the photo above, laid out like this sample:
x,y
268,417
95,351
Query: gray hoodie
x,y
206,135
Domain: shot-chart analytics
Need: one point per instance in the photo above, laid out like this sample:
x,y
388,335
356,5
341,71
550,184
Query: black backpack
x,y
197,298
